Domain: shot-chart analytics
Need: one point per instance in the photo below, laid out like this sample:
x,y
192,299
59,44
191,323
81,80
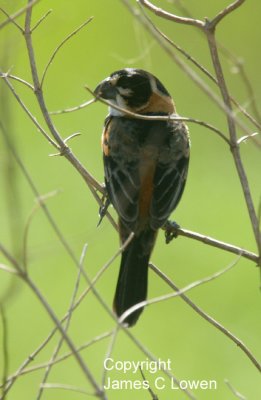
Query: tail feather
x,y
133,275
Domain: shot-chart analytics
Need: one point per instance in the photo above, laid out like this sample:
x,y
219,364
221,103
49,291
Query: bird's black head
x,y
131,89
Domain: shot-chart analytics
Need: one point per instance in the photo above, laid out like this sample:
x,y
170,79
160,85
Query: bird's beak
x,y
106,90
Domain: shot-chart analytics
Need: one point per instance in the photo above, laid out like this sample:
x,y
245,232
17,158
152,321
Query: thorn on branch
x,y
72,136
63,152
247,137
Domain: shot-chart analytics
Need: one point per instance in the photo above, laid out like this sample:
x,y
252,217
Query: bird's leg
x,y
171,230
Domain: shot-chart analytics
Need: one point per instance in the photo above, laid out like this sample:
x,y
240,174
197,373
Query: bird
x,y
145,166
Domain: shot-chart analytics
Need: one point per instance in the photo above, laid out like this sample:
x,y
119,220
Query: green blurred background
x,y
212,204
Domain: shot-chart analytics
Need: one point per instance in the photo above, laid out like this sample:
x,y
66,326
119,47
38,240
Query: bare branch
x,y
66,338
211,242
68,321
60,45
109,352
72,109
40,201
23,370
209,319
41,20
209,28
233,138
184,67
11,259
172,117
12,17
172,17
222,14
66,387
239,66
56,321
28,112
234,391
4,344
187,288
63,148
5,268
153,395
210,76
16,78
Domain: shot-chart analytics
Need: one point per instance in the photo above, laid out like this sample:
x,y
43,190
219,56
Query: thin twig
x,y
19,372
212,242
239,64
28,112
184,67
172,17
152,357
41,20
88,374
66,327
62,386
16,78
72,109
11,259
168,296
234,391
5,353
208,74
222,14
56,321
23,370
12,17
209,319
250,90
61,45
233,137
5,268
40,201
63,148
109,352
209,29
171,117
153,395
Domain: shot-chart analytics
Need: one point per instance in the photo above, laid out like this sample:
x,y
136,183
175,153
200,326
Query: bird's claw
x,y
103,208
171,231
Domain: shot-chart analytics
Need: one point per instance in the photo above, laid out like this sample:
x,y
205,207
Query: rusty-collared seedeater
x,y
146,164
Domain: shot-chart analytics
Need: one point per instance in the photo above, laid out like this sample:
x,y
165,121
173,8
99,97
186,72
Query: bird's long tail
x,y
133,275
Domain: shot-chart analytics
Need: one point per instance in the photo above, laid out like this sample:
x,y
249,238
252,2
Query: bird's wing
x,y
170,175
122,171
